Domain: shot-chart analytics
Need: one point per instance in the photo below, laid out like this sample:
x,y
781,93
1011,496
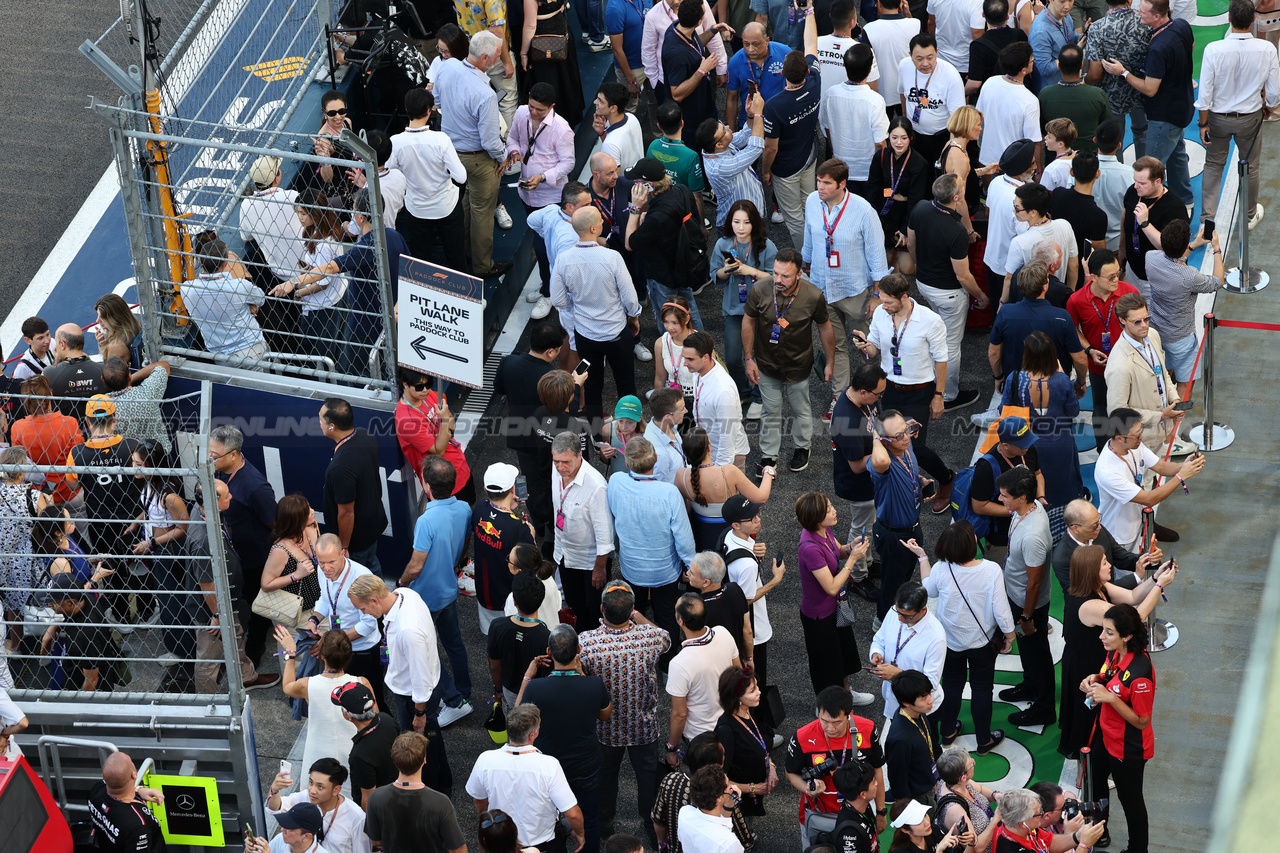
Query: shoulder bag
x,y
281,606
551,41
996,640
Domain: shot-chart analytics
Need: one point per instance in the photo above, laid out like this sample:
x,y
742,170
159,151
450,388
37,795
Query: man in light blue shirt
x,y
223,302
727,159
668,407
335,610
1050,31
1114,178
655,541
439,541
553,226
844,249
469,117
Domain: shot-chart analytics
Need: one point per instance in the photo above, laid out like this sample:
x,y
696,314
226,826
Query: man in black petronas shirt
x,y
122,822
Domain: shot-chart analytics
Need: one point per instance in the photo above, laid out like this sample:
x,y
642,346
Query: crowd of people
x,y
929,163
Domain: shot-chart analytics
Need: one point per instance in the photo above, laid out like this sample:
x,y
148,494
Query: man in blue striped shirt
x,y
727,159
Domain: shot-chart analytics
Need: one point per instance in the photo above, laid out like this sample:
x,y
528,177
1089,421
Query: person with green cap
x,y
628,414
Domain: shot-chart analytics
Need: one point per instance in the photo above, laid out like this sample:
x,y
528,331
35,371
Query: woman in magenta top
x,y
833,654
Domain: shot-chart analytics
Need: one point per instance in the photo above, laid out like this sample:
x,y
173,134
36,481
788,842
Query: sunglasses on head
x,y
338,112
493,821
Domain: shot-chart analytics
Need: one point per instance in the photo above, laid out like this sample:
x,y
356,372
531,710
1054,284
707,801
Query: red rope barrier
x,y
1236,324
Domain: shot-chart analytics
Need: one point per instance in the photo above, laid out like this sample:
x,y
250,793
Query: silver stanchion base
x,y
1164,634
1222,436
1257,279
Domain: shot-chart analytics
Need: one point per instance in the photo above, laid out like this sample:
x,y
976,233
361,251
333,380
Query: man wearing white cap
x,y
267,219
496,528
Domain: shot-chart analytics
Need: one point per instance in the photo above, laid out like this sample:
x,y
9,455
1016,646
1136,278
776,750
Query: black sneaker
x,y
966,398
1033,717
1015,694
800,459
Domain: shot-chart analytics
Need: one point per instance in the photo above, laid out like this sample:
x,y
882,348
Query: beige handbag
x,y
281,606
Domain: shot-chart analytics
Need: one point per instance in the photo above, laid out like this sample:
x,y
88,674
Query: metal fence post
x,y
1162,633
1244,278
1210,435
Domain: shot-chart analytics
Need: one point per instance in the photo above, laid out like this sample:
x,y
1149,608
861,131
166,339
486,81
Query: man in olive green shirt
x,y
777,345
1087,106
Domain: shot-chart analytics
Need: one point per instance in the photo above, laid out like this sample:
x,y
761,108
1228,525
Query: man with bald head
x,y
593,283
73,373
1084,527
335,611
756,69
122,823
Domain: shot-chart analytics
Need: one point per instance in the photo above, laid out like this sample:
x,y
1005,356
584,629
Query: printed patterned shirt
x,y
1119,35
477,15
627,662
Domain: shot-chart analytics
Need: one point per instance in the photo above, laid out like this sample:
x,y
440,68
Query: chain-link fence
x,y
112,554
303,287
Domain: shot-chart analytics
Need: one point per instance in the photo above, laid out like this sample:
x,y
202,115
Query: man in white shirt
x,y
433,172
1016,166
716,405
930,90
742,556
694,674
832,49
392,183
956,23
335,611
704,826
620,134
911,639
267,218
1009,111
343,819
1114,178
1031,207
584,528
1239,88
854,119
526,784
890,37
1119,473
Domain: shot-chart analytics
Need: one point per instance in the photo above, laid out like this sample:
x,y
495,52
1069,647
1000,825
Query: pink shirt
x,y
551,157
656,23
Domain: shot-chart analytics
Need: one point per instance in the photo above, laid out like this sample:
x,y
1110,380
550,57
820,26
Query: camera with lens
x,y
817,771
1091,810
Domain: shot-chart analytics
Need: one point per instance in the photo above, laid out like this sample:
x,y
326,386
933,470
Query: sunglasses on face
x,y
338,112
420,386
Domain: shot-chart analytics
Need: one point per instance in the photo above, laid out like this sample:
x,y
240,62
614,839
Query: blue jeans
x,y
587,790
367,558
591,17
1167,144
452,690
733,357
660,293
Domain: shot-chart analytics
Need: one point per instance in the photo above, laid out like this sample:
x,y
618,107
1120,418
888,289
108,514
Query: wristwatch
x,y
419,712
882,812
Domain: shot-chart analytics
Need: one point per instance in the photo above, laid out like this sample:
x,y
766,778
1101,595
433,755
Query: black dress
x,y
563,76
1082,654
912,175
746,755
973,184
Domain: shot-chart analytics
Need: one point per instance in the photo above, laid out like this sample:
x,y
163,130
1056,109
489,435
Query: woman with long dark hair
x,y
1088,597
742,255
324,316
291,563
706,486
1042,386
163,522
1124,693
902,178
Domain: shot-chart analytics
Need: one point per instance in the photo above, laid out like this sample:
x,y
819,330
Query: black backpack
x,y
691,264
831,838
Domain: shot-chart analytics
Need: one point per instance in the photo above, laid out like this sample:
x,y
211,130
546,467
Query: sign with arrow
x,y
441,322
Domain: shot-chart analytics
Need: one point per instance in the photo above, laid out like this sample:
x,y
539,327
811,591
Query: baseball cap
x,y
100,406
500,477
1018,157
264,170
304,816
738,509
629,407
646,169
1016,431
911,815
352,697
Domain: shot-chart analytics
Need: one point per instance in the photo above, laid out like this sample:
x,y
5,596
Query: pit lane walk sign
x,y
190,813
441,325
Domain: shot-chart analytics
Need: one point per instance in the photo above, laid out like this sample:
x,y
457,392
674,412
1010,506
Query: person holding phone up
x,y
1174,288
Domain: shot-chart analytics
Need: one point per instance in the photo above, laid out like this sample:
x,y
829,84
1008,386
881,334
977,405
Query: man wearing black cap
x,y
662,207
742,555
89,651
370,758
301,830
1016,165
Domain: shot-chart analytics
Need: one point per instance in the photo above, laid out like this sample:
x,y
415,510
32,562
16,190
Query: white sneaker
x,y
1182,448
1256,218
599,46
513,169
778,740
504,218
642,353
776,217
985,419
466,585
533,295
448,715
754,411
862,698
169,659
469,569
541,309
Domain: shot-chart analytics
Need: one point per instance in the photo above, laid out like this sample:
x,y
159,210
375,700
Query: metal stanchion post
x,y
1220,435
1244,278
1162,634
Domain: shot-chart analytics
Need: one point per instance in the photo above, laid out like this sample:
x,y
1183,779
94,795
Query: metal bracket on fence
x,y
1244,278
1219,435
1161,633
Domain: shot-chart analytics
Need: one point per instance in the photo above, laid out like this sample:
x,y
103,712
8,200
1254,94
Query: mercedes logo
x,y
186,802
